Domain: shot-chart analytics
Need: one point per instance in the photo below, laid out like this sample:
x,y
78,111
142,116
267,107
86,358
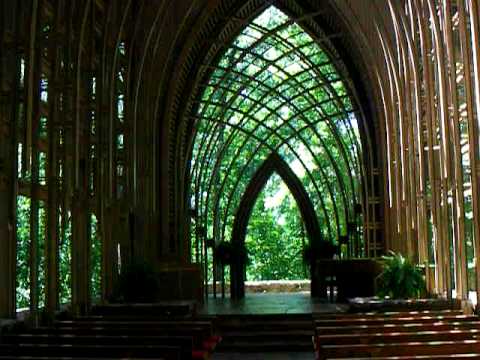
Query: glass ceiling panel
x,y
271,18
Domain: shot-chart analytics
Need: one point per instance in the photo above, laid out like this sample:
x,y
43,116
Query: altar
x,y
339,280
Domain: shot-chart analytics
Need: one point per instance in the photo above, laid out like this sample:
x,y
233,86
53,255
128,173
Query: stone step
x,y
262,334
252,326
272,322
266,333
266,317
266,346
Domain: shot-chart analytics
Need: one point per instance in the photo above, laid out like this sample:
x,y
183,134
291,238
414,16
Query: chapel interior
x,y
232,179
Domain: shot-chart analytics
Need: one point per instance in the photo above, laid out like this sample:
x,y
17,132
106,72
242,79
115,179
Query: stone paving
x,y
270,303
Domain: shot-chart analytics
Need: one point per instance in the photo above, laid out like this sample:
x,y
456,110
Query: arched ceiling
x,y
171,47
276,89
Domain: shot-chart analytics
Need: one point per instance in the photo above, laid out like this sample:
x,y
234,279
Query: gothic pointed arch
x,y
273,164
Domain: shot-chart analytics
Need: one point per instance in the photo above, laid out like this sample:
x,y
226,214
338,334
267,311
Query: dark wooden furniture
x,y
399,335
347,278
169,334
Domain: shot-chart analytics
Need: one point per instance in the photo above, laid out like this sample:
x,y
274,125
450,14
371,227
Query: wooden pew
x,y
411,327
201,331
148,310
194,332
184,343
398,349
207,325
394,320
414,357
201,342
146,331
65,358
391,314
62,341
92,351
398,337
427,334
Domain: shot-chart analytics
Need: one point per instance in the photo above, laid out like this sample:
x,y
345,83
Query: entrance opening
x,y
274,241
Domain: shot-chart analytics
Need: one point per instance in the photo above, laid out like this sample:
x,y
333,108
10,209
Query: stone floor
x,y
270,303
264,356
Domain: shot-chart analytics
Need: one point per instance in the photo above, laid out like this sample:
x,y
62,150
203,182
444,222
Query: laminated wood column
x,y
8,95
109,252
472,133
434,197
32,144
417,133
81,116
80,251
54,191
444,143
106,192
457,180
473,100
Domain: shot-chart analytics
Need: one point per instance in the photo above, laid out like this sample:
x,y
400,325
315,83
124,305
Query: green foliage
x,y
137,283
65,259
275,235
24,208
23,246
41,258
95,259
401,278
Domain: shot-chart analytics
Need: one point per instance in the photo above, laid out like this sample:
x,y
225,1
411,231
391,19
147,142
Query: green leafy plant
x,y
137,283
401,278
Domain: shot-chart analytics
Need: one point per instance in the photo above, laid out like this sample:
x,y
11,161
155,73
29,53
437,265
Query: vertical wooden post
x,y
53,225
33,120
457,178
8,166
472,134
80,251
474,102
76,137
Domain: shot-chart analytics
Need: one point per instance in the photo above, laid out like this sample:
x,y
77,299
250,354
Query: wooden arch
x,y
274,163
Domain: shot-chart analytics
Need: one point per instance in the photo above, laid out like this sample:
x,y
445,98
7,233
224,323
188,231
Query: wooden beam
x,y
9,81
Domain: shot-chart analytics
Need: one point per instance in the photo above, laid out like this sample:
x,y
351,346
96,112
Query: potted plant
x,y
401,287
400,278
